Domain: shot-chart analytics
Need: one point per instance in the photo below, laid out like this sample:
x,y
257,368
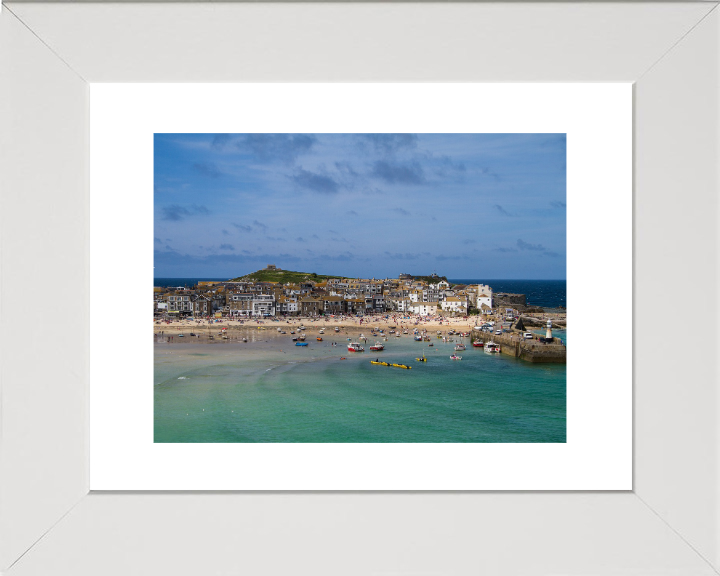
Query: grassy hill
x,y
282,276
430,279
285,276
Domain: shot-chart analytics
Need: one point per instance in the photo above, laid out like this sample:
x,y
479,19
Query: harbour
x,y
268,390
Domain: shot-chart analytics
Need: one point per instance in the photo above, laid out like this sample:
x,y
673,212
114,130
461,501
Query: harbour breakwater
x,y
513,344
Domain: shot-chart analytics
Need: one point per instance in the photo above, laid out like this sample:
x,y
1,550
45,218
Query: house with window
x,y
423,308
179,302
263,305
454,304
239,304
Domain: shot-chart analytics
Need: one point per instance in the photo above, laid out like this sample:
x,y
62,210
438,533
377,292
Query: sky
x,y
473,206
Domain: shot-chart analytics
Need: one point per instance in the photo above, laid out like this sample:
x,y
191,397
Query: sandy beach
x,y
348,326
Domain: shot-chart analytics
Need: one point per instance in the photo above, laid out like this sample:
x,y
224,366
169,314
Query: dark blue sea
x,y
545,293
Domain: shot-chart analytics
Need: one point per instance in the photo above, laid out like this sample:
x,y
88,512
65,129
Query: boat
x,y
294,339
337,329
192,333
319,339
393,365
459,347
492,347
423,359
181,335
455,357
322,331
478,344
397,335
405,331
355,347
418,338
279,329
244,339
301,343
292,331
430,344
301,337
377,347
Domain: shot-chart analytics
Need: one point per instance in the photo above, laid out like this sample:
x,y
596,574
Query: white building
x,y
263,305
454,304
423,308
484,296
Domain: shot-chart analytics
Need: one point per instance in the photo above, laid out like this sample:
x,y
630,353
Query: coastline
x,y
347,324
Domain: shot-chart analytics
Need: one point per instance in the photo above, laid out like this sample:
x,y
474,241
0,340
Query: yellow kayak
x,y
393,365
421,359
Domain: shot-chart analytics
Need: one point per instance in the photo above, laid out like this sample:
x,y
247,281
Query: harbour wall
x,y
512,344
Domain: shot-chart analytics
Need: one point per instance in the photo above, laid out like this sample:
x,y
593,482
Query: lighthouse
x,y
548,332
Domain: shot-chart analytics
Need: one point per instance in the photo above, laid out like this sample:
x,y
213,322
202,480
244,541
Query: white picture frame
x,y
50,53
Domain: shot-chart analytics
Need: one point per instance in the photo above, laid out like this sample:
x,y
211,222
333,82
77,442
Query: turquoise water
x,y
272,391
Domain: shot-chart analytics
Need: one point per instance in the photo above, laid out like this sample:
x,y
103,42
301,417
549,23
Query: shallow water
x,y
273,391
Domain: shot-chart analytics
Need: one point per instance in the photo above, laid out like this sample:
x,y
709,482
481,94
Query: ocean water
x,y
269,390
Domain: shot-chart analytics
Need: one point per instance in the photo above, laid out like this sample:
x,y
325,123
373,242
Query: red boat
x,y
377,347
478,344
355,347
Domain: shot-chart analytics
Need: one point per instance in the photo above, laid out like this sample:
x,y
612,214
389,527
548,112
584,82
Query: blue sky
x,y
369,205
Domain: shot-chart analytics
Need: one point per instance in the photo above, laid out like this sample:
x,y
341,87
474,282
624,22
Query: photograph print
x,y
360,288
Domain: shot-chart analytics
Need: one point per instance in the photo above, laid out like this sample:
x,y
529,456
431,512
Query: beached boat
x,y
418,338
492,347
430,344
455,357
337,329
322,331
319,339
355,347
294,339
301,337
301,344
377,347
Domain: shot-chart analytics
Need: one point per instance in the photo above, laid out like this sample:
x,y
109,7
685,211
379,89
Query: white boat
x,y
377,347
455,357
322,331
337,329
459,347
355,347
492,347
418,338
